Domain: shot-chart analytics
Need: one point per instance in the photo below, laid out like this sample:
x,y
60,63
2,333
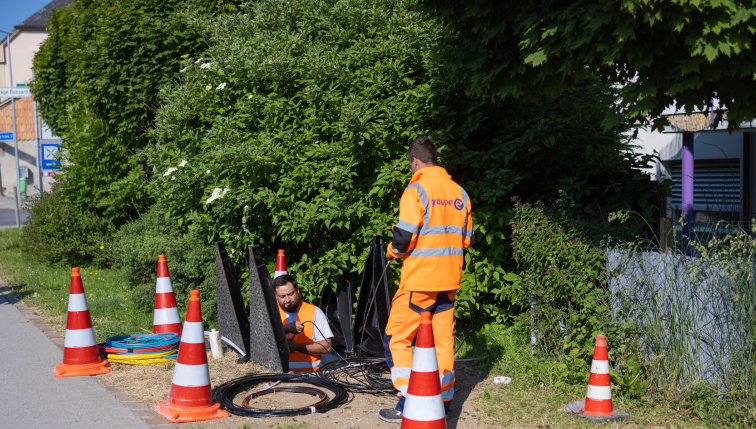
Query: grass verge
x,y
535,396
111,304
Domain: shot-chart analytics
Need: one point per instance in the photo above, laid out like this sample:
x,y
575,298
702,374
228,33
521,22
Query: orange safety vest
x,y
299,362
435,225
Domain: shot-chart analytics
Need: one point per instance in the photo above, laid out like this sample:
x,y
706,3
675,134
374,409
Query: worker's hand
x,y
295,327
293,346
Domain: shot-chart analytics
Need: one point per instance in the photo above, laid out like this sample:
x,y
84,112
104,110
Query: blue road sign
x,y
49,152
6,136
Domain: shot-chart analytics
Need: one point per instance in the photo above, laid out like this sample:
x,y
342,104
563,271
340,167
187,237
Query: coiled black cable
x,y
364,375
226,392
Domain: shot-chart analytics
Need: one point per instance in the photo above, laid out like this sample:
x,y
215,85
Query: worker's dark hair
x,y
423,149
283,280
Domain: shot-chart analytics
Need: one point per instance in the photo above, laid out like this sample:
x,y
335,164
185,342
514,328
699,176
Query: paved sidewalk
x,y
33,397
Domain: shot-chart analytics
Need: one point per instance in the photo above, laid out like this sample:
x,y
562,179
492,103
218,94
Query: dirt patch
x,y
152,383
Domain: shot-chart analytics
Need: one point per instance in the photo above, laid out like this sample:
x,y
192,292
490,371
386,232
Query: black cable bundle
x,y
226,392
361,374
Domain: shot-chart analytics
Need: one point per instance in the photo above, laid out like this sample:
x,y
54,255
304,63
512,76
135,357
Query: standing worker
x,y
435,226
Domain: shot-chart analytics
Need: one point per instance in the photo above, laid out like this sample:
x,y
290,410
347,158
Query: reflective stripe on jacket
x,y
435,225
299,362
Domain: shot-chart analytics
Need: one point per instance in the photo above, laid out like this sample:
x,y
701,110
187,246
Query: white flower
x,y
206,65
173,177
217,193
207,172
335,169
199,60
208,87
221,86
183,70
169,171
183,163
250,96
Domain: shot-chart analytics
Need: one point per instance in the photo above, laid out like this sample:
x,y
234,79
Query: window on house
x,y
716,190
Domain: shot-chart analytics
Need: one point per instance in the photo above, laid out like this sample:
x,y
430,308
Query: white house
x,y
24,42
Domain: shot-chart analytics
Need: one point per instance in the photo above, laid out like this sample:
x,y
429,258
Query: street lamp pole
x,y
13,113
38,156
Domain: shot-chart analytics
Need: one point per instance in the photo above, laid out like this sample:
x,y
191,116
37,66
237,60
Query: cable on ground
x,y
359,374
312,391
226,392
145,349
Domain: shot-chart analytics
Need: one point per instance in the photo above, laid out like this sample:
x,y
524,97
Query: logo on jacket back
x,y
458,204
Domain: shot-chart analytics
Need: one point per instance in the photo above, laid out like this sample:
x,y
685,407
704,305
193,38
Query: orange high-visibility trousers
x,y
401,329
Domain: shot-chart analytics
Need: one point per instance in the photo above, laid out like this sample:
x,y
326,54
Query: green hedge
x,y
59,232
191,260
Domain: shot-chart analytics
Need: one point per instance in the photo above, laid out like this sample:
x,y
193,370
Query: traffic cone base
x,y
178,414
64,370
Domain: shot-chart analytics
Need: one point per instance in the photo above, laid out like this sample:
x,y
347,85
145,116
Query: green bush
x,y
59,232
97,77
563,287
191,261
99,172
291,132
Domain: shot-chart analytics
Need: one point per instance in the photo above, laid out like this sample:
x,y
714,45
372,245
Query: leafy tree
x,y
97,79
660,51
291,131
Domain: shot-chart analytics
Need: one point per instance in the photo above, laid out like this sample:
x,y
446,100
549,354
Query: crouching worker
x,y
306,326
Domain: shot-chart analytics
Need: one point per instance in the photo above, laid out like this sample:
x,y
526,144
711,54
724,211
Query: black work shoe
x,y
390,415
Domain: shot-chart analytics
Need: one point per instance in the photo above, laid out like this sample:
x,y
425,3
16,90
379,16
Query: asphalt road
x,y
33,397
8,217
8,213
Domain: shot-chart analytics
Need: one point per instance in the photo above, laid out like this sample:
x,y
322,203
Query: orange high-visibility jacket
x,y
299,362
435,225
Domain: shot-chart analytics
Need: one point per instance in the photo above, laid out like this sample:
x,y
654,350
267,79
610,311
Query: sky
x,y
13,12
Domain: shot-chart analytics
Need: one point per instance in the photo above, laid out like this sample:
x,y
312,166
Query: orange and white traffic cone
x,y
190,399
424,406
280,264
598,400
598,406
80,355
166,317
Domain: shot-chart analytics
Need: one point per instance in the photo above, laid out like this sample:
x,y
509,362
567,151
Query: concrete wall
x,y
687,303
27,159
720,145
705,146
23,46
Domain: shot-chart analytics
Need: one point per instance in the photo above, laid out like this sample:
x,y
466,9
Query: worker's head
x,y
422,153
287,293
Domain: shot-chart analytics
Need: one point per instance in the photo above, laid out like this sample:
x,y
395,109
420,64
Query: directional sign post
x,y
15,92
49,153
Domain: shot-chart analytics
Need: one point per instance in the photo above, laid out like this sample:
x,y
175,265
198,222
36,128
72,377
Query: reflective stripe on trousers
x,y
401,329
